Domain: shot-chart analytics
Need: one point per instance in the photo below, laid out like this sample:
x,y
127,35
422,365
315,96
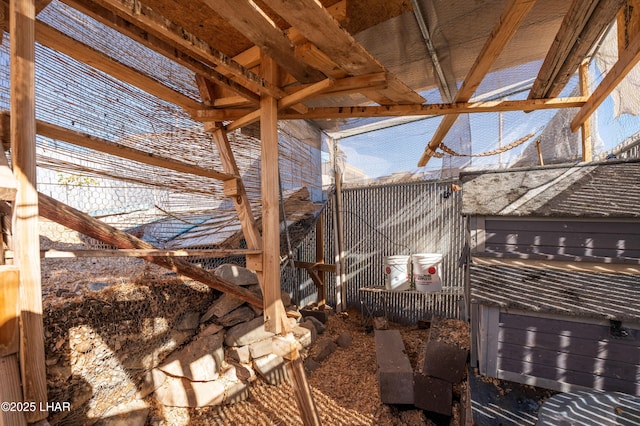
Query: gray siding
x,y
570,353
563,239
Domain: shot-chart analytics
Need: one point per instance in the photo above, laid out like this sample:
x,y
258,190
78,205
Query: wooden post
x,y
587,145
273,308
322,292
341,289
25,209
540,159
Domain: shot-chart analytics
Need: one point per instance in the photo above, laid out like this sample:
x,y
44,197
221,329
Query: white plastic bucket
x,y
396,273
426,272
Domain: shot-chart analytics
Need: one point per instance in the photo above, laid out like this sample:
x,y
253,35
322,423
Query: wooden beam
x,y
288,101
25,207
625,63
60,254
319,265
56,40
572,25
584,23
628,20
587,143
273,308
240,201
317,25
148,20
510,20
434,109
322,290
254,24
110,19
87,225
119,150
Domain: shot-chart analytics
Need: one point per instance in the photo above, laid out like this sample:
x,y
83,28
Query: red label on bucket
x,y
387,270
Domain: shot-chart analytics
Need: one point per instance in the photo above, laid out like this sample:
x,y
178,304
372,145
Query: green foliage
x,y
75,180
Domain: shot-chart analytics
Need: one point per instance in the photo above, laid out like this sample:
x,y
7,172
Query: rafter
x,y
147,39
119,150
162,28
626,61
502,33
581,27
56,40
317,25
247,18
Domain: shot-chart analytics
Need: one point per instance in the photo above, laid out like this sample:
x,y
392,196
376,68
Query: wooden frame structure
x,y
291,54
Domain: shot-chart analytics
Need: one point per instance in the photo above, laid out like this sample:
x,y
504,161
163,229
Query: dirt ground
x,y
344,388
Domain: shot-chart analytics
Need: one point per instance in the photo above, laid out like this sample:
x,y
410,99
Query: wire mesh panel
x,y
388,220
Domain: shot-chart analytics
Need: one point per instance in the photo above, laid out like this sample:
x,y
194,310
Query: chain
x,y
500,150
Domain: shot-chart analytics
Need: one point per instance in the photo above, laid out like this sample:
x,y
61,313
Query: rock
x,y
247,333
303,335
320,327
239,354
236,274
242,314
261,348
200,360
181,392
311,364
244,372
380,323
221,307
210,329
189,321
132,413
312,328
324,348
271,368
344,339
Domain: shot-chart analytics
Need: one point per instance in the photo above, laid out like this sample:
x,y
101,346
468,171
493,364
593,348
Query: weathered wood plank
x,y
85,224
628,20
581,252
510,20
560,263
10,391
585,130
9,310
25,206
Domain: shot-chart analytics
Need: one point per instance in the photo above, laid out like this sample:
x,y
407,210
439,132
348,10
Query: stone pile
x,y
230,350
181,347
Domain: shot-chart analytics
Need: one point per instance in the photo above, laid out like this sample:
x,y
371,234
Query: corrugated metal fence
x,y
379,221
